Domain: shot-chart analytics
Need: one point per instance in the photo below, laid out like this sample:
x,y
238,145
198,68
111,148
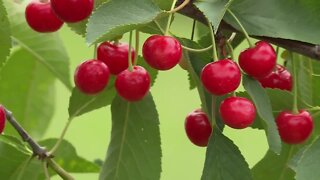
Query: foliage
x,y
31,63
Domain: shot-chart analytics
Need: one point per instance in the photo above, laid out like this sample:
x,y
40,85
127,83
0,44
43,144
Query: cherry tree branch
x,y
37,150
307,49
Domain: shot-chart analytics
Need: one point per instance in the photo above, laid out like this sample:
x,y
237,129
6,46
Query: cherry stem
x,y
170,17
214,47
181,6
129,52
45,168
242,28
230,48
58,143
193,29
137,46
197,50
295,85
59,170
95,51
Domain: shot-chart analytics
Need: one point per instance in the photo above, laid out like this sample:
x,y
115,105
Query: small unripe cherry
x,y
133,85
41,18
2,119
237,112
198,128
91,76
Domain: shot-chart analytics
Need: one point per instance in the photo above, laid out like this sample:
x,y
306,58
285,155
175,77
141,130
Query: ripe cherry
x,y
115,55
41,18
92,76
258,61
162,52
294,128
280,78
2,118
221,77
133,85
72,11
237,112
198,128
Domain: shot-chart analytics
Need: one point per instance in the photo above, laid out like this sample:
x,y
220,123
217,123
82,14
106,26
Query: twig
x,y
59,170
307,49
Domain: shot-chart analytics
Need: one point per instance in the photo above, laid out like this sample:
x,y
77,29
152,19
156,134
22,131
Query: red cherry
x,y
198,128
133,85
72,11
115,56
237,112
162,52
280,78
258,61
41,18
2,118
294,128
221,77
92,76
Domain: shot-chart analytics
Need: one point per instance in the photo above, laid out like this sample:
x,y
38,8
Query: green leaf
x,y
47,48
152,72
270,18
224,160
80,27
117,17
67,157
275,167
5,39
308,166
263,106
214,10
16,162
134,151
28,90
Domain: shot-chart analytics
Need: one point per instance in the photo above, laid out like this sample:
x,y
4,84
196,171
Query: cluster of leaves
x,y
30,63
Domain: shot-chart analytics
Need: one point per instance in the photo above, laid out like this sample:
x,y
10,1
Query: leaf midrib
x,y
122,139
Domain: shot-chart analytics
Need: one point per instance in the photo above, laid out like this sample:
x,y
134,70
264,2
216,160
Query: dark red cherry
x,y
280,79
294,128
258,61
72,11
221,77
133,85
162,52
198,128
237,112
115,56
41,18
92,76
2,118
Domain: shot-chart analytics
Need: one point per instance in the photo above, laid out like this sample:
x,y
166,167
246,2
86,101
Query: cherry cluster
x,y
48,16
224,76
163,52
132,83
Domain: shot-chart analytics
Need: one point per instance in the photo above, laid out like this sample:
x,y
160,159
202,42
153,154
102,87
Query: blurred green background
x,y
90,133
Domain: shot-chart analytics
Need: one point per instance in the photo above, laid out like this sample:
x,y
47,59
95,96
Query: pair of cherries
x,y
48,16
92,76
198,127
